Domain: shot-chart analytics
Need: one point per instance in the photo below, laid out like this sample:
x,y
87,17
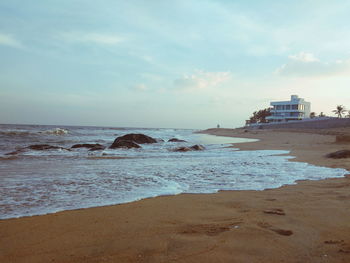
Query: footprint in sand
x,y
344,248
275,211
279,231
209,229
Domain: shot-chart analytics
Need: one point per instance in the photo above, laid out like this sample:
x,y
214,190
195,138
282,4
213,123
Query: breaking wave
x,y
19,133
57,131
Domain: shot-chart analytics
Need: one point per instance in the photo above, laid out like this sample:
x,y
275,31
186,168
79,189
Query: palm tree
x,y
339,111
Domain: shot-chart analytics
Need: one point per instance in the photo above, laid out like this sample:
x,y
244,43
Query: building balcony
x,y
275,117
279,111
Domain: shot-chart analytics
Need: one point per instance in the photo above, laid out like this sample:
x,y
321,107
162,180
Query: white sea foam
x,y
49,181
56,131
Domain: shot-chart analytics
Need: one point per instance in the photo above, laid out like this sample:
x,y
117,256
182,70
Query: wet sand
x,y
307,222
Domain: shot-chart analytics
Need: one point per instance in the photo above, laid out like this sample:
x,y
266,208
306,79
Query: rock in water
x,y
97,148
197,147
124,144
339,154
43,147
175,140
136,137
182,149
86,145
37,147
16,152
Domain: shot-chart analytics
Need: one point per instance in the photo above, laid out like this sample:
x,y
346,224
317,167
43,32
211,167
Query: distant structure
x,y
295,109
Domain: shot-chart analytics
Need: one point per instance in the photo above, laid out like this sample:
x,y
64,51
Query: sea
x,y
36,182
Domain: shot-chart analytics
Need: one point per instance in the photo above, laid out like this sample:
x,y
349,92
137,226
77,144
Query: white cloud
x,y
202,80
8,40
307,65
140,87
95,38
304,57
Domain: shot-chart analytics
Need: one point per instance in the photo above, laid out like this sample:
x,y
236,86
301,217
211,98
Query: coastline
x,y
305,145
306,222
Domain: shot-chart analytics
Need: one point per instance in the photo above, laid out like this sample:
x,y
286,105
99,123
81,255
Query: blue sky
x,y
185,64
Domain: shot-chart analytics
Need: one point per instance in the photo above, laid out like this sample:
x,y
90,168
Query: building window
x,y
287,107
294,106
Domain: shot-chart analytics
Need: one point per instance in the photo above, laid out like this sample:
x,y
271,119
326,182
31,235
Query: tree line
x,y
340,110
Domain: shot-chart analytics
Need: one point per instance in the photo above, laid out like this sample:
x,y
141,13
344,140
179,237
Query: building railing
x,y
291,121
274,110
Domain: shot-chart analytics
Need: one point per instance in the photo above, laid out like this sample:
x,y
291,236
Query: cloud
x,y
304,57
307,65
8,40
202,80
91,37
140,87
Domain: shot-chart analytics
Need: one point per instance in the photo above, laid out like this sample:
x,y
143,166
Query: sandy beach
x,y
306,222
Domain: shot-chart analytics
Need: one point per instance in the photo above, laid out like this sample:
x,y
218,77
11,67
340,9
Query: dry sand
x,y
307,222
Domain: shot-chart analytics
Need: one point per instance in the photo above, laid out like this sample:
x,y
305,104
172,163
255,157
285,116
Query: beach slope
x,y
306,222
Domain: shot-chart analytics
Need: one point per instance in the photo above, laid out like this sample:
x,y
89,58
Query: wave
x,y
57,131
109,157
13,133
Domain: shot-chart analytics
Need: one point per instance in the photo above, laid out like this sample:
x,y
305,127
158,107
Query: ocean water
x,y
40,182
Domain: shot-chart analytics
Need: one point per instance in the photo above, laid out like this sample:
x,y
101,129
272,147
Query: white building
x,y
295,109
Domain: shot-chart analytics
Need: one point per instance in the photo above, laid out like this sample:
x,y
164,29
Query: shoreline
x,y
305,222
308,146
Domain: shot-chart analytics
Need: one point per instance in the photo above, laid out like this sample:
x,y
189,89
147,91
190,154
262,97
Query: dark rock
x,y
339,154
86,145
44,147
124,144
98,148
175,140
16,152
137,138
37,147
197,147
182,149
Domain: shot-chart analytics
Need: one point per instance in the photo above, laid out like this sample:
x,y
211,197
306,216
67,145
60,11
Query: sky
x,y
171,64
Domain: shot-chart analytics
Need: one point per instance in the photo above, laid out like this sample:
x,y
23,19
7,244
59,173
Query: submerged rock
x,y
124,144
182,149
196,147
16,152
97,148
86,145
175,140
37,147
137,138
339,154
44,147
